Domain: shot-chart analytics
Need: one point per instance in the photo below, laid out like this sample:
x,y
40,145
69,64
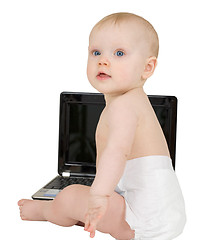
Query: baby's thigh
x,y
113,222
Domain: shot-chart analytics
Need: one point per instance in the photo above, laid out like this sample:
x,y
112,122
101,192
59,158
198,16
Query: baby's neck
x,y
110,97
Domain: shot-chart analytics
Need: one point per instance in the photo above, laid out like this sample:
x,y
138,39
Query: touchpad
x,y
51,193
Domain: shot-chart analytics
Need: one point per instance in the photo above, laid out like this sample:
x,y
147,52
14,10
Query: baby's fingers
x,y
87,222
92,234
90,225
92,229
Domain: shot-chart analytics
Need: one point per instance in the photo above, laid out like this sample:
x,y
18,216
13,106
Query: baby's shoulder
x,y
123,103
132,102
125,106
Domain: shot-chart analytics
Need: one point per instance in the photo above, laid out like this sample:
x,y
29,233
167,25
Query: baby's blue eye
x,y
119,53
96,53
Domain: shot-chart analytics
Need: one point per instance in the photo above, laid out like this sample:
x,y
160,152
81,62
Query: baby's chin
x,y
108,87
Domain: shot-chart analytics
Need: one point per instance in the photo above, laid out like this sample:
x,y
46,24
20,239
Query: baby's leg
x,y
70,207
39,210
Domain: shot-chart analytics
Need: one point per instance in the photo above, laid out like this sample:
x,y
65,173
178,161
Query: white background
x,y
43,51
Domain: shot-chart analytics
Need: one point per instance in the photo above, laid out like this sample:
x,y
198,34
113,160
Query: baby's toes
x,y
21,202
22,217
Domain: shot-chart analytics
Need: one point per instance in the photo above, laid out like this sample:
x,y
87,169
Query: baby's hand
x,y
97,206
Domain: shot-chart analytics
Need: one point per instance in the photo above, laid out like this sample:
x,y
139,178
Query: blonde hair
x,y
151,35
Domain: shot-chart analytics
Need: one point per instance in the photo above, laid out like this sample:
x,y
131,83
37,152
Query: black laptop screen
x,y
79,115
81,146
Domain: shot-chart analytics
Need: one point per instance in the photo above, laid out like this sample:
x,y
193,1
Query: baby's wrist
x,y
100,193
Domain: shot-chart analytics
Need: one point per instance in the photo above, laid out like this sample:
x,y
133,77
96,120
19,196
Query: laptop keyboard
x,y
62,182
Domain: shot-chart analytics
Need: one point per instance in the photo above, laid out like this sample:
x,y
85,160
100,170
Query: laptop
x,y
79,115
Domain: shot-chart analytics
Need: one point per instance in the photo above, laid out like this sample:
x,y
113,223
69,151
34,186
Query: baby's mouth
x,y
102,76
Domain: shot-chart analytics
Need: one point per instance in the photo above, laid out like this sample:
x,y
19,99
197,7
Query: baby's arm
x,y
122,123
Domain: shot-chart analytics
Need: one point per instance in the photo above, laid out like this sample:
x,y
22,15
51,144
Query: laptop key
x,y
61,182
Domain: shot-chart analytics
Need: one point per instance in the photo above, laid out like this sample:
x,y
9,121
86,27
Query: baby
x,y
135,194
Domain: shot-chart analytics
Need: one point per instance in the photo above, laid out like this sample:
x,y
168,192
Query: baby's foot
x,y
31,210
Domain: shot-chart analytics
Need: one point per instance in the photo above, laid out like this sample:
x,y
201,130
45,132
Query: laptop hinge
x,y
66,174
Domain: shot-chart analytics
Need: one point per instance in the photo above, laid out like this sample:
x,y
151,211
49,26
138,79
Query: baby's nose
x,y
104,62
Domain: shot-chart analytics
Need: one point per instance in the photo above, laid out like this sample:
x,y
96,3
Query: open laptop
x,y
79,115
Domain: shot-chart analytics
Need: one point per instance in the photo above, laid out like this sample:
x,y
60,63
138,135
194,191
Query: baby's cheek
x,y
126,76
91,74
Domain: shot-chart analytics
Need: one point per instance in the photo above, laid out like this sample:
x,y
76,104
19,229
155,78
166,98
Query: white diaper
x,y
154,202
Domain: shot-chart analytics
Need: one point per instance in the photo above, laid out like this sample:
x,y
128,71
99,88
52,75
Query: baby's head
x,y
123,51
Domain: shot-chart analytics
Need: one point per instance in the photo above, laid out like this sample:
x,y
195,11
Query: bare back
x,y
149,138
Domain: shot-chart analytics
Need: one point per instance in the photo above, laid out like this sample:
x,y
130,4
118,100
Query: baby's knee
x,y
66,196
71,189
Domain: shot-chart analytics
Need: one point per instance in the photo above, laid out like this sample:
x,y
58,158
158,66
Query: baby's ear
x,y
149,67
